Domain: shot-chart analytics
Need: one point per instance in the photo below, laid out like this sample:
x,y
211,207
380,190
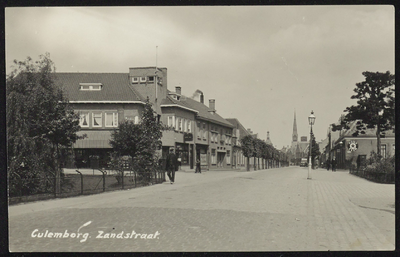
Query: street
x,y
265,210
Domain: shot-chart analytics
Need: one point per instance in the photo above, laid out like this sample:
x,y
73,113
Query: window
x,y
180,124
177,123
111,119
383,151
171,122
97,119
213,157
185,126
84,119
198,130
189,126
135,80
204,131
150,78
228,157
90,86
142,79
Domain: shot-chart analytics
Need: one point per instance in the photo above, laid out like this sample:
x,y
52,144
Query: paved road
x,y
265,210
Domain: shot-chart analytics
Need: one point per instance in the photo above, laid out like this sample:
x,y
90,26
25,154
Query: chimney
x,y
178,90
267,135
202,98
212,105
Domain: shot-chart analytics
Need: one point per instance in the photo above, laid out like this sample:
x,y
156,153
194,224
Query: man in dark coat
x,y
171,165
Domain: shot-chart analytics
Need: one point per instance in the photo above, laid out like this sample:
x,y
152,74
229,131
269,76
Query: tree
x,y
314,149
139,141
39,123
375,104
248,148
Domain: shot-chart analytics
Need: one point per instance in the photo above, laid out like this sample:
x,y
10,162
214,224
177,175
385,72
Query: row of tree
x,y
256,148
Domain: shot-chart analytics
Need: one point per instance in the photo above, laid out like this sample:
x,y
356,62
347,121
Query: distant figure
x,y
334,164
179,163
171,165
328,164
198,167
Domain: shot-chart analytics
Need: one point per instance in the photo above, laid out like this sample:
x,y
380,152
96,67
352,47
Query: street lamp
x,y
311,121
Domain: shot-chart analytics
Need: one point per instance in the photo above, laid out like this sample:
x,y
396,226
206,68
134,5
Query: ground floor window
x,y
213,157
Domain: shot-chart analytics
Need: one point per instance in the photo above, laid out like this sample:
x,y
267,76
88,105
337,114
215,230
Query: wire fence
x,y
81,183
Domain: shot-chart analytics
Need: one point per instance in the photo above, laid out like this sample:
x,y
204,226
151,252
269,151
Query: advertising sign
x,y
203,159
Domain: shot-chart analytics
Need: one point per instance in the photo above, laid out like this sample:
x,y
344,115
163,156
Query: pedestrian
x,y
198,167
171,165
328,164
179,162
334,164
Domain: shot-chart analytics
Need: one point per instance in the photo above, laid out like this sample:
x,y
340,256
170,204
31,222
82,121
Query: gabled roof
x,y
115,87
205,112
235,122
171,102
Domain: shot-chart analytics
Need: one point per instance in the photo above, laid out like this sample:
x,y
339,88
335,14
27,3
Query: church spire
x,y
294,135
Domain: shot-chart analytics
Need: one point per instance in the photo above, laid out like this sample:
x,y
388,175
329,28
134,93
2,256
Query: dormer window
x,y
150,78
176,97
142,79
90,86
135,79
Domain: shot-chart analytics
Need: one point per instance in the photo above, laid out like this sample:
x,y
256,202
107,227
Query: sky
x,y
260,63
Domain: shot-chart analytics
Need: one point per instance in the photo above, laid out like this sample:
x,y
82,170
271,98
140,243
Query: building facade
x,y
102,100
354,150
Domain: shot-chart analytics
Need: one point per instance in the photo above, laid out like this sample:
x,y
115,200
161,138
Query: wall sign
x,y
188,137
353,146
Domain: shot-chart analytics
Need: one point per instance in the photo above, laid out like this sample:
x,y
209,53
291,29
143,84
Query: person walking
x,y
334,164
171,165
328,164
198,167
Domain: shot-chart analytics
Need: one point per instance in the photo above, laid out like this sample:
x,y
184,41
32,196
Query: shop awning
x,y
94,139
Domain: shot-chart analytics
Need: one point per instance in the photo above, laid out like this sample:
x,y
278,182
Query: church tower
x,y
294,135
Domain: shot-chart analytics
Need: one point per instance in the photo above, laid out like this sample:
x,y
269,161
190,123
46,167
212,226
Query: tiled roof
x,y
368,132
180,103
115,86
238,125
205,112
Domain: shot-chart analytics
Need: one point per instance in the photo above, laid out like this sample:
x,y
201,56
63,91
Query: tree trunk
x,y
378,141
248,164
57,172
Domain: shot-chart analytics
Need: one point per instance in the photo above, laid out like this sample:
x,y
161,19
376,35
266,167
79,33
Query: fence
x,y
380,177
80,183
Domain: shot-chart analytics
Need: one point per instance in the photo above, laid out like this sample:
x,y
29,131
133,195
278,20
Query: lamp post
x,y
311,121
